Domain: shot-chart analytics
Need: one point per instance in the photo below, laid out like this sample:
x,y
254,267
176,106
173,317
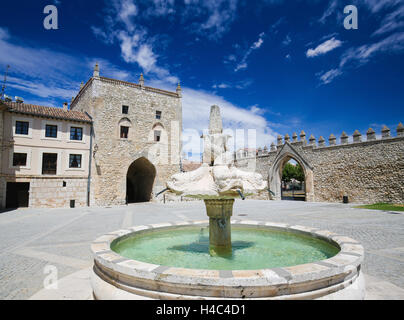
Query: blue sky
x,y
275,66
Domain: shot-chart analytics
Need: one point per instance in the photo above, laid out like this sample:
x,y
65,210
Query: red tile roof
x,y
48,112
190,166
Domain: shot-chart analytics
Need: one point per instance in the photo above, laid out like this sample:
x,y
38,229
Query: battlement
x,y
139,86
312,143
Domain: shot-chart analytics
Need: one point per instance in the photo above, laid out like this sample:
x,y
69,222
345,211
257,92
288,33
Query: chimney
x,y
19,99
65,106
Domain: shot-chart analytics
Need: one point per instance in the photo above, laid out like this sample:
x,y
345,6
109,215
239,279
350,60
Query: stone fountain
x,y
174,260
217,182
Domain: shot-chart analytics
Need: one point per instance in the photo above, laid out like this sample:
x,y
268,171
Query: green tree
x,y
292,172
288,172
299,173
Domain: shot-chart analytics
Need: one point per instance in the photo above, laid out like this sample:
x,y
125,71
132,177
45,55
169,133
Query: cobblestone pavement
x,y
31,239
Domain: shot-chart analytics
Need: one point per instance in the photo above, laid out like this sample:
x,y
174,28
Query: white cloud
x,y
221,86
220,15
42,90
359,56
243,62
377,5
4,34
392,21
135,43
327,77
196,109
329,11
236,84
161,7
241,66
287,41
275,27
323,48
126,10
108,69
47,73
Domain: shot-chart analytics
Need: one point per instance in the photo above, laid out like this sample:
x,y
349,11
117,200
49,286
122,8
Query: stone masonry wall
x,y
366,171
50,193
2,180
103,99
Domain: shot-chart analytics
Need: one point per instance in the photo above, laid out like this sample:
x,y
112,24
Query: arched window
x,y
158,132
125,128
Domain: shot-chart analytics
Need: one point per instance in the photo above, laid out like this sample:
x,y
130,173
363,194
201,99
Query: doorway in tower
x,y
17,195
293,181
140,180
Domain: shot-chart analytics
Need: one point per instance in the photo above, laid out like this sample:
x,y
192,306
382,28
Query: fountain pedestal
x,y
219,212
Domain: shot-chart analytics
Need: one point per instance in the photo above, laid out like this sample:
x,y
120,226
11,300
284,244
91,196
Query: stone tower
x,y
136,138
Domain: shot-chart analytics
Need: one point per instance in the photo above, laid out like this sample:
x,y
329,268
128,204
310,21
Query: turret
x,y
96,72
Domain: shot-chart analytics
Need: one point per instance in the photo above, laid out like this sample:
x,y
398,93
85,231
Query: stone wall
x,y
2,147
50,193
103,99
368,171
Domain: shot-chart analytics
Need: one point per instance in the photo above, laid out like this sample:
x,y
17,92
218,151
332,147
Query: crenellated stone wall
x,y
367,170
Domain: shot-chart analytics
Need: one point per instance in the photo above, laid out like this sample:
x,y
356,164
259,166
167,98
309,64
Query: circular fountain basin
x,y
269,261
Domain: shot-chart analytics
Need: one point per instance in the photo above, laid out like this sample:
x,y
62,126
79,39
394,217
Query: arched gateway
x,y
286,153
140,180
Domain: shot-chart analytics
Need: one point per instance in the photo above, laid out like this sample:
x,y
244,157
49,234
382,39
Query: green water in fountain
x,y
253,248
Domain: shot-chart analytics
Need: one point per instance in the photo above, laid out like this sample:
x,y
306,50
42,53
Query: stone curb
x,y
115,269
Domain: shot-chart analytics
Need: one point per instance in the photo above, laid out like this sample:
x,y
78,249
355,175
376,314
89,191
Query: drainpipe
x,y
90,156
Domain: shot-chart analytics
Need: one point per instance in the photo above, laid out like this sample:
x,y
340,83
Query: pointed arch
x,y
286,153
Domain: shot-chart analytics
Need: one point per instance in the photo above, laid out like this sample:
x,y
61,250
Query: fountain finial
x,y
215,120
217,182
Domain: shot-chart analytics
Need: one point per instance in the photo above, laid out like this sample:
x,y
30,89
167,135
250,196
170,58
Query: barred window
x,y
76,133
75,161
51,131
157,135
49,163
21,127
124,132
19,159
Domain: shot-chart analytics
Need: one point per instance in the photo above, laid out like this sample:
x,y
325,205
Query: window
x,y
158,115
51,131
75,161
76,133
21,127
125,109
124,132
19,159
49,163
157,135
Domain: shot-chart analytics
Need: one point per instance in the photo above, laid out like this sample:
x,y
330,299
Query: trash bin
x,y
345,199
